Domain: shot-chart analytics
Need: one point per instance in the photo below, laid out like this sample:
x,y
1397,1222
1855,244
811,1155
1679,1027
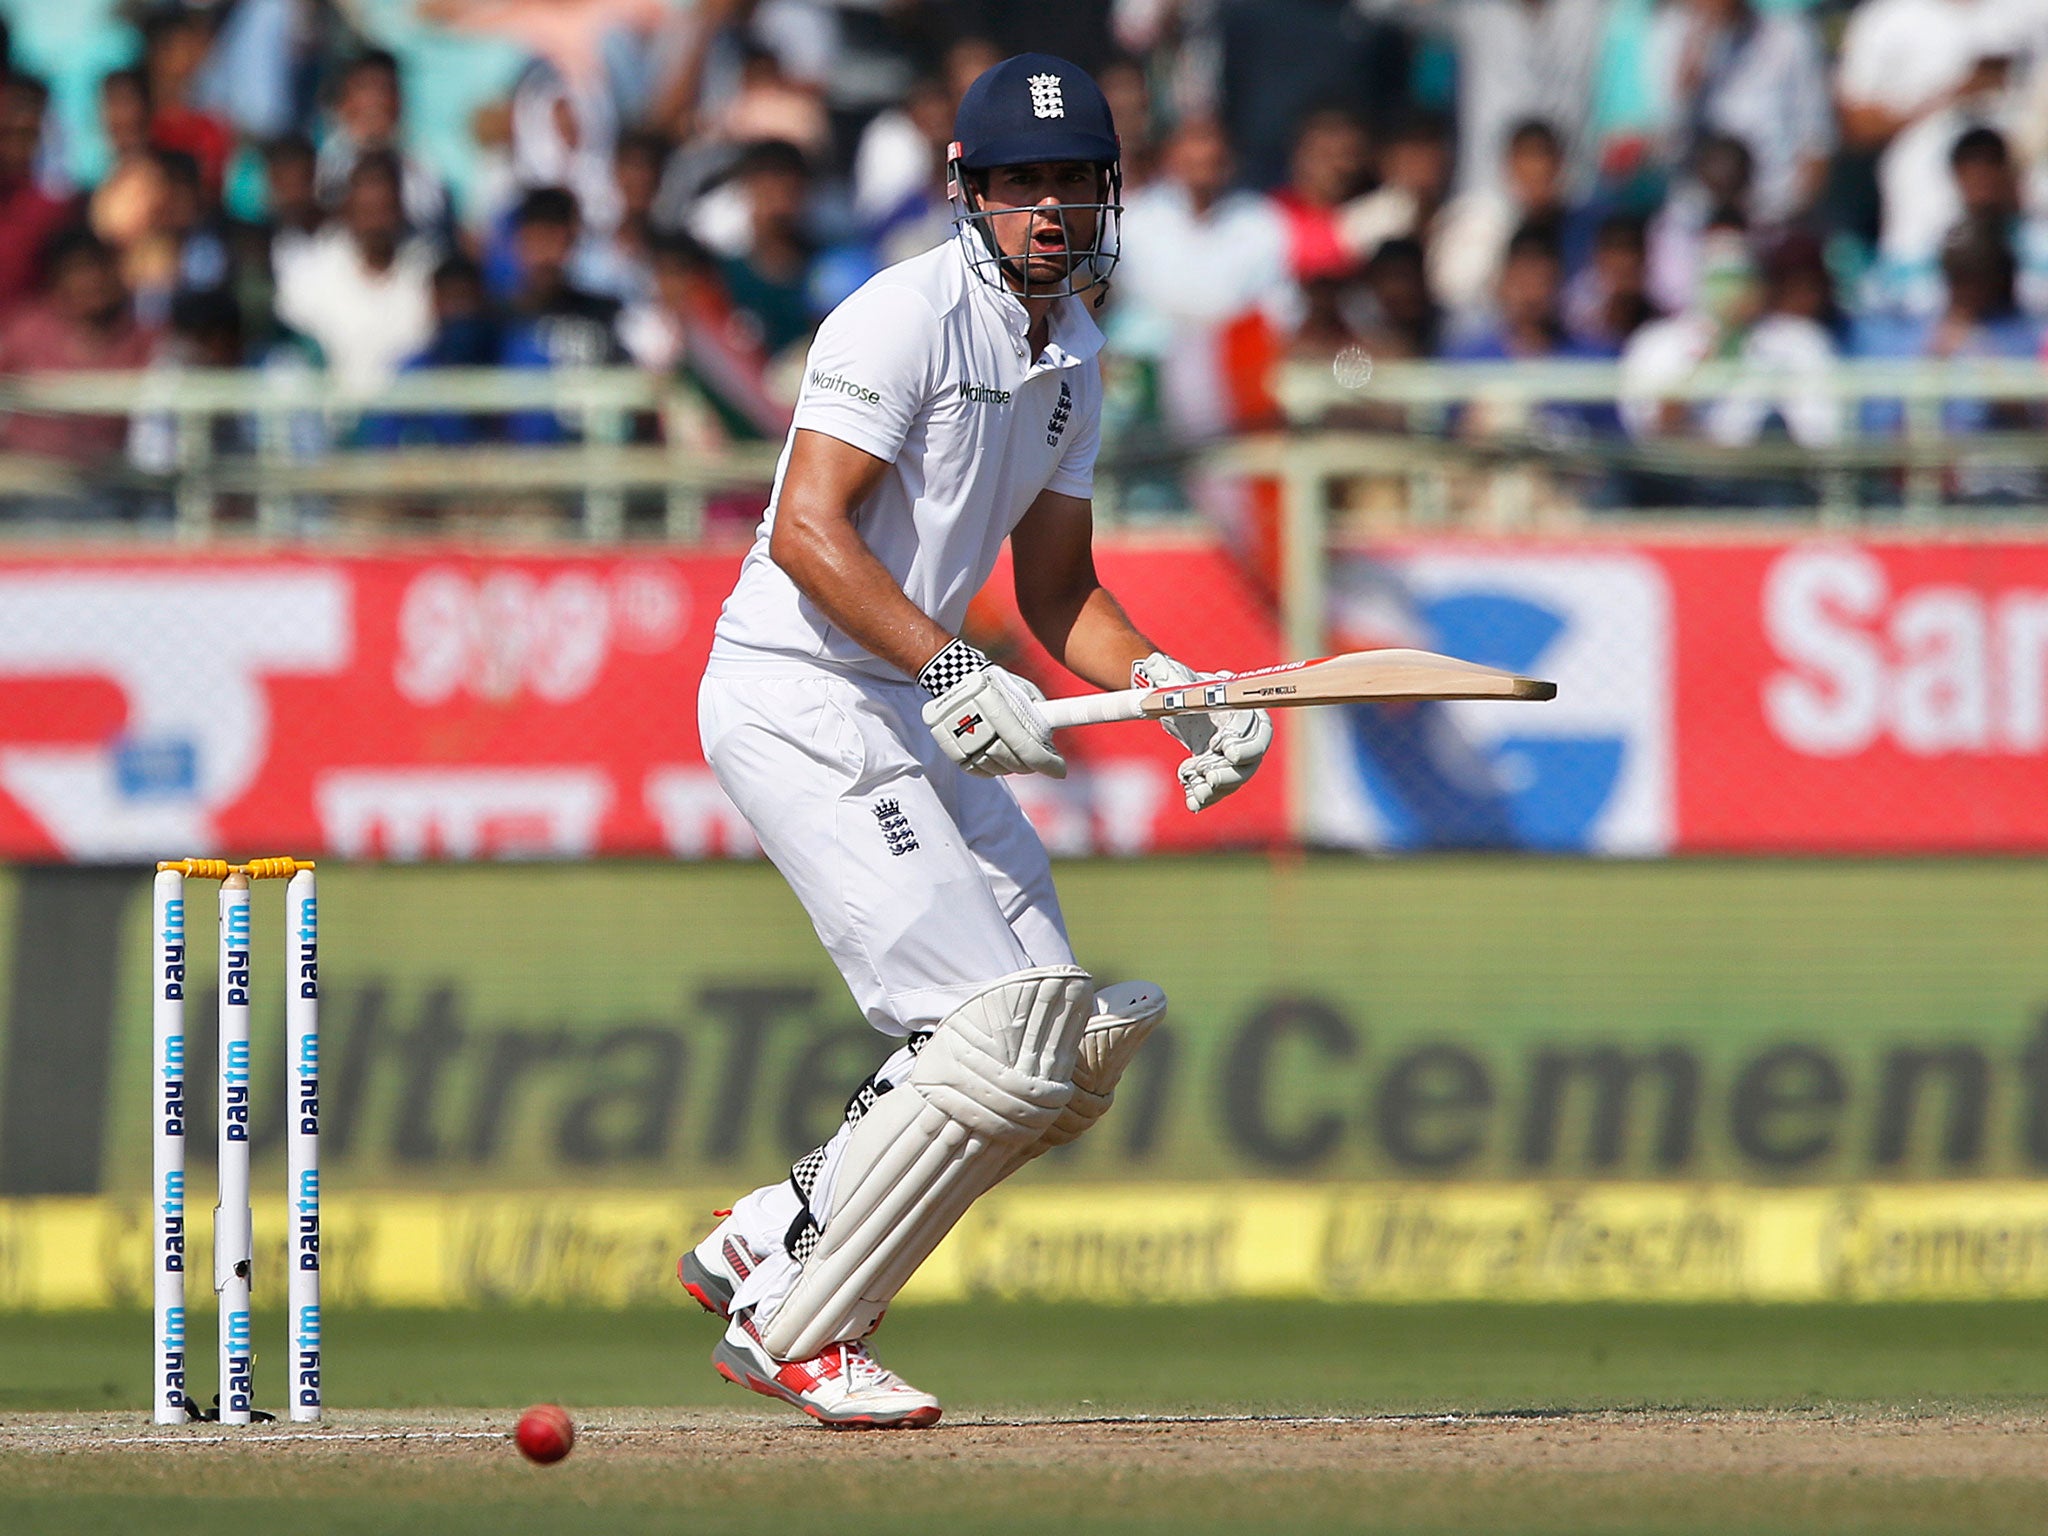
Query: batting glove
x,y
1226,747
985,719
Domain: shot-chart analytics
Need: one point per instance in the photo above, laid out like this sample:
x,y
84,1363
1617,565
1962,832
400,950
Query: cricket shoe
x,y
713,1269
844,1387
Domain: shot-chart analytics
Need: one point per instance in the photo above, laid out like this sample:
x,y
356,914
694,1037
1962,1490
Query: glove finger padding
x,y
1209,776
1224,746
989,723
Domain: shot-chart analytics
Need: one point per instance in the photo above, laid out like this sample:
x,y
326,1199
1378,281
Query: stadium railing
x,y
1483,446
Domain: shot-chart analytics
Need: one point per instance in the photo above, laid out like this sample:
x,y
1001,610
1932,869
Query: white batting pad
x,y
1125,1013
988,1084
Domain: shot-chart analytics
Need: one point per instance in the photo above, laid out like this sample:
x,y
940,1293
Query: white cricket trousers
x,y
925,883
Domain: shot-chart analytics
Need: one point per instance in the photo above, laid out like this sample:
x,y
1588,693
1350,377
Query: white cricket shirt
x,y
926,366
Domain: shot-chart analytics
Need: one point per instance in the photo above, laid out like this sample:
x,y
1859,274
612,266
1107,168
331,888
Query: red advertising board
x,y
1781,696
1867,696
468,704
1804,696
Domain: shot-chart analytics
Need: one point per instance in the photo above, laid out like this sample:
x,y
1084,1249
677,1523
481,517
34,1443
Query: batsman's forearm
x,y
833,567
1092,638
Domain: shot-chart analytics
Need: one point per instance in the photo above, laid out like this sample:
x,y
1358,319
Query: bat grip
x,y
1094,708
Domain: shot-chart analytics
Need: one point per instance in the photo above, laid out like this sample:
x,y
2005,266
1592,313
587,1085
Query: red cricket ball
x,y
545,1433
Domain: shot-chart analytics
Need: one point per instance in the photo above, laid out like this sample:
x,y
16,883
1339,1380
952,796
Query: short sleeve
x,y
1861,67
1811,116
870,368
1075,475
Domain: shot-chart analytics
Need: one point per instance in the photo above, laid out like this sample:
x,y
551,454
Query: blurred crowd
x,y
372,187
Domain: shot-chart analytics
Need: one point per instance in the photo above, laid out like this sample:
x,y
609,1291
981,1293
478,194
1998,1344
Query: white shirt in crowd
x,y
1184,275
366,322
1520,59
1785,361
892,165
926,367
1905,55
1467,249
1771,92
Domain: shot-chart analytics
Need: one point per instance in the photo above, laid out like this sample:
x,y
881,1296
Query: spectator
x,y
174,48
571,36
1129,94
1083,28
1980,315
1528,309
1529,327
1330,165
1719,190
1415,173
1987,189
773,104
1721,67
82,323
1281,60
620,264
467,334
1790,355
552,323
361,290
1797,282
690,328
369,108
29,216
1913,75
467,330
1198,259
563,136
746,71
205,332
1610,300
770,276
293,212
185,247
262,59
1519,59
1980,319
1402,320
122,206
1471,235
899,172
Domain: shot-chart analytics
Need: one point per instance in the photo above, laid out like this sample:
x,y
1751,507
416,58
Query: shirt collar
x,y
1072,336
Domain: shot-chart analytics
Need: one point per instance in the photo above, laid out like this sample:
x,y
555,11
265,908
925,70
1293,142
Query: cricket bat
x,y
1361,677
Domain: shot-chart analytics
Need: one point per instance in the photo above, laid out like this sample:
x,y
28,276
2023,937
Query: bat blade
x,y
1360,677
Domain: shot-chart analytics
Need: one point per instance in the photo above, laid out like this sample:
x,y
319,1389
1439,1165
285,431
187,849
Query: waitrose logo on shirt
x,y
839,383
982,394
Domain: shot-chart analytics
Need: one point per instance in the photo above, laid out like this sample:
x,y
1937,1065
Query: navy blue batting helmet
x,y
1032,109
1036,109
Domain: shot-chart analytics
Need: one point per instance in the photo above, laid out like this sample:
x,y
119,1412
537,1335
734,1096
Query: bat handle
x,y
1094,708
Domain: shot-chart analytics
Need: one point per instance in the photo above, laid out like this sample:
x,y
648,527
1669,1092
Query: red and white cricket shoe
x,y
845,1387
713,1270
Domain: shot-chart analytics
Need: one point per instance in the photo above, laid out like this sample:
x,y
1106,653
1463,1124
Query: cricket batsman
x,y
950,403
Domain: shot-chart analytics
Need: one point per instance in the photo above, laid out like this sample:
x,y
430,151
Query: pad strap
x,y
1124,1015
988,1085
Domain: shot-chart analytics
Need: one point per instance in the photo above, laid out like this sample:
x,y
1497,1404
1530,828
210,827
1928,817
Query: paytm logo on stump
x,y
1587,772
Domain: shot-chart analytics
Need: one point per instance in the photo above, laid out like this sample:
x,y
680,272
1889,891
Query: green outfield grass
x,y
999,1358
1884,1374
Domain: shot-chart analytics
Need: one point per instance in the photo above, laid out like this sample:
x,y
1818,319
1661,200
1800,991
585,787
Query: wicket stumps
x,y
233,1218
